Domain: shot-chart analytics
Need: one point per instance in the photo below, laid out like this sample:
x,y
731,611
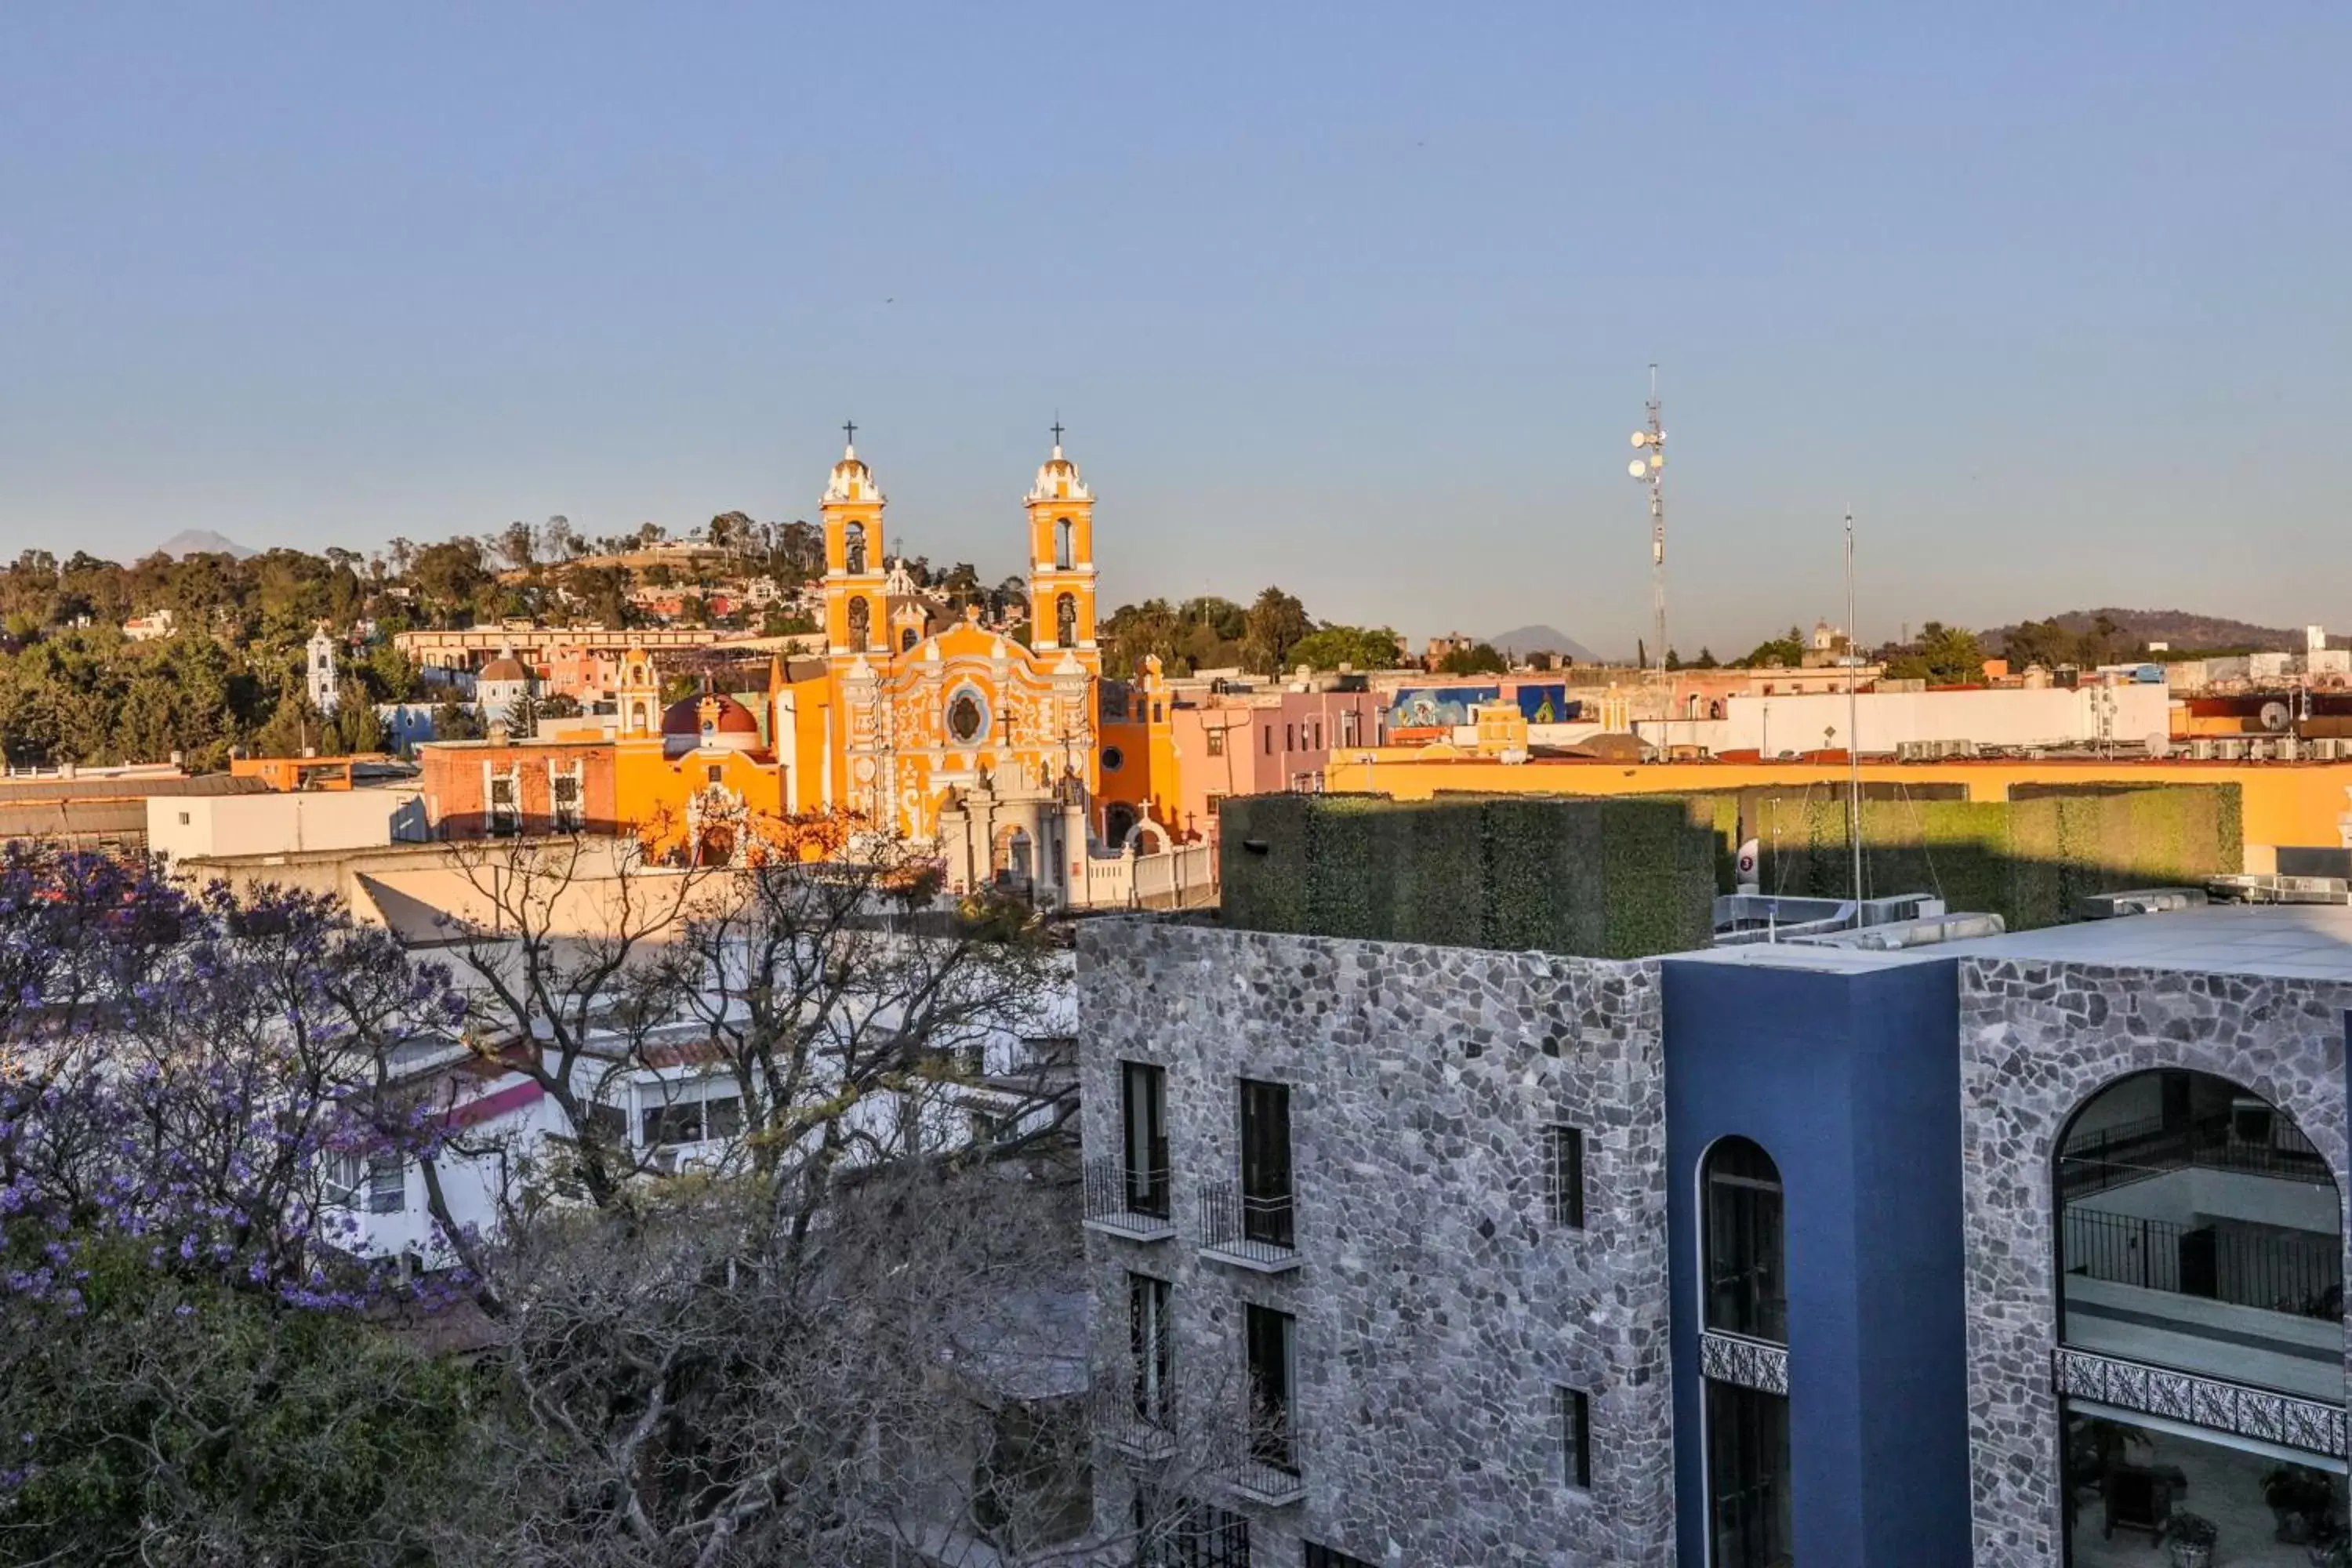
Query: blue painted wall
x,y
1851,1082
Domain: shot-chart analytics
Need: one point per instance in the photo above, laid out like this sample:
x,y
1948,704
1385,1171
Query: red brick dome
x,y
730,723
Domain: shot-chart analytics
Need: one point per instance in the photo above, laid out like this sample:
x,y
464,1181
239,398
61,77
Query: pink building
x,y
1261,743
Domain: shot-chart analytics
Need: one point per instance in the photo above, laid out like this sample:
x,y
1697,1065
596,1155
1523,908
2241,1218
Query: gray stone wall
x,y
1437,1306
2037,1039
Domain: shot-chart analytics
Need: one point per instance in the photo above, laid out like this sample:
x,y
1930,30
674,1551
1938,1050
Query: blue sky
x,y
1355,299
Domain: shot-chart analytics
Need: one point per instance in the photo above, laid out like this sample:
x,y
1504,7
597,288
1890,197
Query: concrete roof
x,y
2310,941
1805,955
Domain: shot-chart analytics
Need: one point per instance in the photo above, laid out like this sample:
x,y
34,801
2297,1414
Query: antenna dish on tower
x,y
1638,468
1641,437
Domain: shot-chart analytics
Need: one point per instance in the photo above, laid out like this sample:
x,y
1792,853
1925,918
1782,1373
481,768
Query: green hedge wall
x,y
2029,861
1594,877
1630,876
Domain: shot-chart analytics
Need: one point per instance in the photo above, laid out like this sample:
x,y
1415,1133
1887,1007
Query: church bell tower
x,y
1062,561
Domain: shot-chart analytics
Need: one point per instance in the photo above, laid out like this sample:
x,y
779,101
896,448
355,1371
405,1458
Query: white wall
x,y
183,826
2052,716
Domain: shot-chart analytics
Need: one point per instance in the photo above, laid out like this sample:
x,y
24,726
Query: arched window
x,y
1747,1275
906,639
2199,1231
1066,620
861,621
854,547
1062,531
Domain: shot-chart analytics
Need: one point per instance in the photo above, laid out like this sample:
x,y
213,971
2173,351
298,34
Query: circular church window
x,y
1112,759
966,717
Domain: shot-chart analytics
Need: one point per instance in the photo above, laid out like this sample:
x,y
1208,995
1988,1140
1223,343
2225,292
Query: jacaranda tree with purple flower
x,y
184,1327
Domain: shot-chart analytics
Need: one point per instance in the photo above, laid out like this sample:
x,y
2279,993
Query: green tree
x,y
1481,658
456,720
1943,656
1705,660
450,575
355,727
1786,652
1276,622
1358,647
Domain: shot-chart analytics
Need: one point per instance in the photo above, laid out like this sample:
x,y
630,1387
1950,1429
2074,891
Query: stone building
x,y
2020,1252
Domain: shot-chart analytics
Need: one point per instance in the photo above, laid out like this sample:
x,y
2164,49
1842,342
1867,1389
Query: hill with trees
x,y
2116,634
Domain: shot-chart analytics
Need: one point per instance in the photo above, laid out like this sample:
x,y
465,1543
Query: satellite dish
x,y
2159,747
2275,717
1641,437
1637,468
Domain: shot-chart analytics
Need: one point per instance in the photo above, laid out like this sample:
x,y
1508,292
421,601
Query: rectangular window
x,y
387,1184
671,1124
1216,739
1575,1437
1272,1339
1269,740
1266,1162
1564,1175
183,819
1143,1136
564,790
1149,1346
1348,720
344,1175
1316,1555
1290,736
716,773
1749,1521
1319,737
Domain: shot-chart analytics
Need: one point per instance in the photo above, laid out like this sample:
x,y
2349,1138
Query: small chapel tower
x,y
319,676
1062,561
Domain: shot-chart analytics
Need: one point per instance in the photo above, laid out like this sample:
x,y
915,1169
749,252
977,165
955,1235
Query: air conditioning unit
x,y
2326,749
2230,750
2200,748
2284,748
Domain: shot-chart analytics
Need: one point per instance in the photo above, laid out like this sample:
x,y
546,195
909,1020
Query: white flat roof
x,y
1823,960
2310,941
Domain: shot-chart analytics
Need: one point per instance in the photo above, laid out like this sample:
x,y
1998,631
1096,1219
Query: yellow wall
x,y
651,790
2304,805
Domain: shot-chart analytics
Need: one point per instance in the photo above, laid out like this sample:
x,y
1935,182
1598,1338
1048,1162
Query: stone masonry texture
x,y
1438,1308
2037,1039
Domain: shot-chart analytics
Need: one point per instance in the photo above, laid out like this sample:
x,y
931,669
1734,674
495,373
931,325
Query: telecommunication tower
x,y
1650,464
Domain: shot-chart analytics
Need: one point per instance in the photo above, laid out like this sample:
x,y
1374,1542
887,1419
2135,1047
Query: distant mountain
x,y
202,542
2178,627
1542,639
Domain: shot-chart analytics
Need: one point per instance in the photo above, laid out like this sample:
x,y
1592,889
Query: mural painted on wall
x,y
1438,707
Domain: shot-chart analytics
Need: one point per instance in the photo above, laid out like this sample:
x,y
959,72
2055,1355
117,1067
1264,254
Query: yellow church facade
x,y
935,730
911,724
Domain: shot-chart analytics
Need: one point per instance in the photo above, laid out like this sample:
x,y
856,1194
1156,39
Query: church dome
x,y
712,720
506,666
1059,480
852,480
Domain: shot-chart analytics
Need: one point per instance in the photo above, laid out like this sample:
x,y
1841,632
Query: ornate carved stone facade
x,y
2038,1038
1439,1309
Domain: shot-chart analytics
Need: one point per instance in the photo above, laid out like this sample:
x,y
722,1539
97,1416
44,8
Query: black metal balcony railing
x,y
2131,1152
1250,1227
1123,1198
1138,1419
1266,1465
2238,1266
